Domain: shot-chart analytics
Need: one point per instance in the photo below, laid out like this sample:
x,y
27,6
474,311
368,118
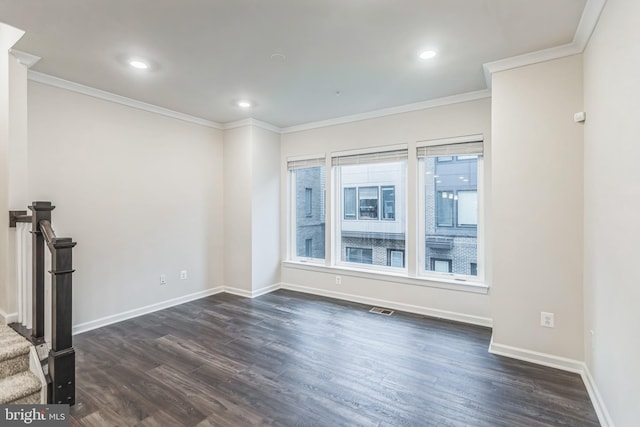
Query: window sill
x,y
431,282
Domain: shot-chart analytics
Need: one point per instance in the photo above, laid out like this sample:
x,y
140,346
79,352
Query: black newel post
x,y
62,355
41,212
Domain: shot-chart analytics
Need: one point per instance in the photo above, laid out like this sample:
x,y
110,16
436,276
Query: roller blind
x,y
305,163
368,158
459,149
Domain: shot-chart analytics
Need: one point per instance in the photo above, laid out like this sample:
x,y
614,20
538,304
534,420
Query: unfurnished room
x,y
319,213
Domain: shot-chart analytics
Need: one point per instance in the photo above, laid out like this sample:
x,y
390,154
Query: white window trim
x,y
332,263
480,261
336,240
396,276
291,210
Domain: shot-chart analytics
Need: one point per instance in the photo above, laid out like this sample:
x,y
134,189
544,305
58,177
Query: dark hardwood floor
x,y
291,359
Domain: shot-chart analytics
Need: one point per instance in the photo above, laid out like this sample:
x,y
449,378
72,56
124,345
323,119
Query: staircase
x,y
18,384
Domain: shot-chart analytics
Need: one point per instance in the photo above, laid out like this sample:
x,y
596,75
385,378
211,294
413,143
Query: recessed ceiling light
x,y
139,64
427,54
244,104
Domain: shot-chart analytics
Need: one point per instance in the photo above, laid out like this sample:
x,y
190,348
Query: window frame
x,y
333,197
422,271
294,164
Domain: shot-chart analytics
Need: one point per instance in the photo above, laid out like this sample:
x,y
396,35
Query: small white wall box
x,y
580,117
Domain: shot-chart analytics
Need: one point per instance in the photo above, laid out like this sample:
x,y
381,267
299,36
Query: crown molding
x,y
588,21
25,58
251,122
407,108
586,26
118,99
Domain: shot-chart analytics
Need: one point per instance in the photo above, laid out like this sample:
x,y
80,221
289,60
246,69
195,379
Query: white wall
x,y
442,122
265,208
139,192
538,207
237,208
251,205
612,209
10,134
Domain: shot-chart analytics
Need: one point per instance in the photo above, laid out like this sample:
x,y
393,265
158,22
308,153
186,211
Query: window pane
x,y
308,185
380,190
389,203
450,214
350,203
467,208
368,197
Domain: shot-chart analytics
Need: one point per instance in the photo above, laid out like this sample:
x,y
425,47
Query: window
x,y
450,193
395,258
374,184
360,255
350,203
388,202
441,265
308,193
467,208
444,203
368,202
307,180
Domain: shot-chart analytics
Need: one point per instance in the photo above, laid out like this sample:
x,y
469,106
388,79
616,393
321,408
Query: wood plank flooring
x,y
291,359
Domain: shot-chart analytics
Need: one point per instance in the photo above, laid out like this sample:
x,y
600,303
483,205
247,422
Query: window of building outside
x,y
350,203
441,265
307,181
395,258
388,202
360,255
449,208
376,182
368,202
308,201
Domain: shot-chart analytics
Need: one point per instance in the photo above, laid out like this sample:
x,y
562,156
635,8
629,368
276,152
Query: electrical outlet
x,y
338,280
183,275
163,279
546,319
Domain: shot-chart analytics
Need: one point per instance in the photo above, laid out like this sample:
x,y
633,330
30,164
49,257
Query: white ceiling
x,y
207,54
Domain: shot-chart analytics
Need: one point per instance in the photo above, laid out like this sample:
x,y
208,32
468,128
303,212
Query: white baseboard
x,y
538,358
237,291
565,364
125,315
251,294
432,312
8,318
596,398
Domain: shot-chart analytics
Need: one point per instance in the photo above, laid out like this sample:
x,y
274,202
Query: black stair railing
x,y
61,358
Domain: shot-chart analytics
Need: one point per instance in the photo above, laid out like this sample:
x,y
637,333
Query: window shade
x,y
461,149
368,158
305,163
